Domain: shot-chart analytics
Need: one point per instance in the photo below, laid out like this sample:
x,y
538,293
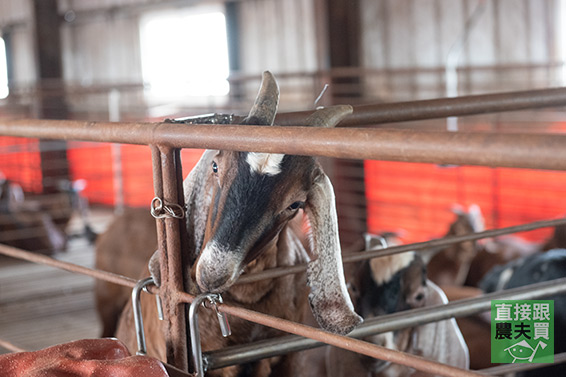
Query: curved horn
x,y
329,298
265,106
328,116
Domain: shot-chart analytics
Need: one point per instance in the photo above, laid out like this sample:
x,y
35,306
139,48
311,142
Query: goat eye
x,y
214,167
296,205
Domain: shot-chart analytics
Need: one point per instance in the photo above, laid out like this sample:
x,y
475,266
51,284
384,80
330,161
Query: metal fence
x,y
540,151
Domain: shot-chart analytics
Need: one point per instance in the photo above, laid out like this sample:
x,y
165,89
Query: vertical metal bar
x,y
138,319
195,335
186,256
114,116
165,186
176,340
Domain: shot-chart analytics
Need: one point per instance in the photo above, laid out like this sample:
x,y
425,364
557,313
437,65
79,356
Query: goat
x,y
499,251
558,239
243,215
123,248
31,222
388,285
450,265
533,269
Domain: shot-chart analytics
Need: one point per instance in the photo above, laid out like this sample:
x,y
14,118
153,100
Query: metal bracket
x,y
161,210
138,320
195,333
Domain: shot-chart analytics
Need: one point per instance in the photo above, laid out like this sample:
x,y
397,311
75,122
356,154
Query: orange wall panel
x,y
418,197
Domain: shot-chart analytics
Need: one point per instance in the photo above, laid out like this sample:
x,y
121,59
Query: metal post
x,y
138,319
166,188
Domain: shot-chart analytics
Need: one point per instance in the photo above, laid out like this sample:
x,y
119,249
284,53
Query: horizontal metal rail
x,y
344,342
278,272
273,347
443,107
559,358
278,346
288,326
71,267
496,150
418,246
534,151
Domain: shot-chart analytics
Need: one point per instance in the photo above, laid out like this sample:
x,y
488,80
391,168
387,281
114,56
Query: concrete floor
x,y
40,305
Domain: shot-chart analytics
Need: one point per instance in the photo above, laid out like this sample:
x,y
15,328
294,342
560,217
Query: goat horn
x,y
267,100
328,116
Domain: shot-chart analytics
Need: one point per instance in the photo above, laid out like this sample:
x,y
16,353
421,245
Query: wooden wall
x,y
15,23
408,34
101,41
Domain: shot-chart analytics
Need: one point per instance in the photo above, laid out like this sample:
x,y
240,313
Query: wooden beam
x,y
51,99
344,50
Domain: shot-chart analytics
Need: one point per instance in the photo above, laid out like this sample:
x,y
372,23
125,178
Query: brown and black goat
x,y
391,284
450,266
244,214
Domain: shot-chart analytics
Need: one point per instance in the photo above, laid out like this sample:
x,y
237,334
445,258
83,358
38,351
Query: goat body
x,y
124,249
533,269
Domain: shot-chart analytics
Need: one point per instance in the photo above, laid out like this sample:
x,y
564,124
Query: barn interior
x,y
144,61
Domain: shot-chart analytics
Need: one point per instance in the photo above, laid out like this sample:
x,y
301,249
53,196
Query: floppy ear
x,y
476,217
329,299
198,189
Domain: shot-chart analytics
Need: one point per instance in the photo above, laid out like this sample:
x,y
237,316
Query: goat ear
x,y
198,196
329,299
265,107
457,209
478,222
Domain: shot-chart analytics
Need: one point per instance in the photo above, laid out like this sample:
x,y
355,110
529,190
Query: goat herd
x,y
246,213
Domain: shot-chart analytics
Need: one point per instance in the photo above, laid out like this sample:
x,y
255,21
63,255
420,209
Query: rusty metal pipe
x,y
291,343
504,369
418,246
442,107
348,343
534,151
165,186
71,267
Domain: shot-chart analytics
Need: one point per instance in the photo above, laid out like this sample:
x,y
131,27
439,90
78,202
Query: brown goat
x,y
244,215
502,250
124,248
450,266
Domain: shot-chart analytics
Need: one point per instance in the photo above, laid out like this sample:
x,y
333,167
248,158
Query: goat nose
x,y
210,283
217,268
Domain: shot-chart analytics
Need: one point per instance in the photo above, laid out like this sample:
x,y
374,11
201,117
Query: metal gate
x,y
536,151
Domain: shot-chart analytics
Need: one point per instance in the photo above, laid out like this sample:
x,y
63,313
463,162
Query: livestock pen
x,y
535,151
